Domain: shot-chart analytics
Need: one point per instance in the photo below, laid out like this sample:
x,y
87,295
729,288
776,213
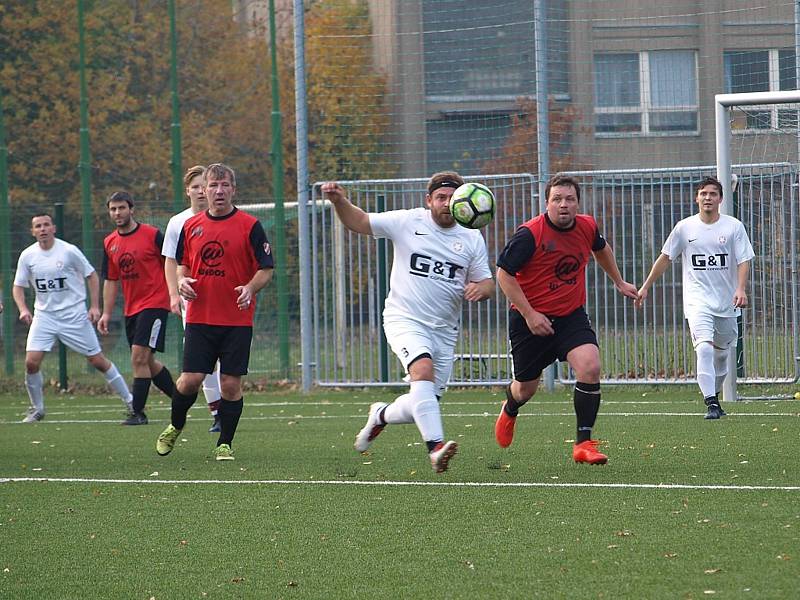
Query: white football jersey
x,y
711,254
173,232
58,276
431,265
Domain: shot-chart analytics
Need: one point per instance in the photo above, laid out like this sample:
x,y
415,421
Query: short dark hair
x,y
192,173
561,179
120,196
710,180
219,170
43,214
444,179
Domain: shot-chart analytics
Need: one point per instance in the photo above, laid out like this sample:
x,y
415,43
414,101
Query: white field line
x,y
48,421
296,417
493,403
460,484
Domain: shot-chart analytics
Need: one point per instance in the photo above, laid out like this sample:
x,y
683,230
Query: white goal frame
x,y
722,106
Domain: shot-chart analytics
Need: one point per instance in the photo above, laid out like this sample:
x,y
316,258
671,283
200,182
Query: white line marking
x,y
48,421
530,484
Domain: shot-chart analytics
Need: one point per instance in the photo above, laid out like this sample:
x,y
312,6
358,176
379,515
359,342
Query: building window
x,y
761,71
647,93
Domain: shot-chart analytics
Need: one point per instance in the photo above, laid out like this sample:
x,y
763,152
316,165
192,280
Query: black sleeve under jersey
x,y
104,267
518,251
599,241
261,247
179,248
159,240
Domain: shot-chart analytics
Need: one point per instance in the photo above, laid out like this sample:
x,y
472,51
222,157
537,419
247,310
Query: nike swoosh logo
x,y
421,233
690,241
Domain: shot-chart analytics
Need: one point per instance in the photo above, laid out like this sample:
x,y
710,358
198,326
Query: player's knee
x,y
588,372
140,356
189,383
32,366
99,362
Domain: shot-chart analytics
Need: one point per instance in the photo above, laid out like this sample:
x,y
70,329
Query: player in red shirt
x,y
132,256
224,259
542,271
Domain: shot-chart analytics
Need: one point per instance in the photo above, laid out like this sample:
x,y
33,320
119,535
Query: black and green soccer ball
x,y
472,205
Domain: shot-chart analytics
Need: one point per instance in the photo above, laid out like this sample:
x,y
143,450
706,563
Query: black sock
x,y
180,406
163,381
711,400
432,445
512,406
141,388
379,416
229,413
586,399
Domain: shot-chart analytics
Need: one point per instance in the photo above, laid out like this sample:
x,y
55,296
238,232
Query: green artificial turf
x,y
685,508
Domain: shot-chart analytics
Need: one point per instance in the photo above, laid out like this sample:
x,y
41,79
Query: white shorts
x,y
720,331
74,330
409,339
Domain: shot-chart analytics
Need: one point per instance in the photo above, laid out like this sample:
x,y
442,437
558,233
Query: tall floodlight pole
x,y
175,127
542,125
5,248
301,131
175,132
84,166
276,154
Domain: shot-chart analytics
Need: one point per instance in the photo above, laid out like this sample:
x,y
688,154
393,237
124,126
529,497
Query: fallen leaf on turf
x,y
612,546
670,555
237,580
783,557
712,571
154,474
291,584
184,543
369,462
36,442
623,533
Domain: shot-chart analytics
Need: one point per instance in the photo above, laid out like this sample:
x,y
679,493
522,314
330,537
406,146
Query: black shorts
x,y
204,345
532,353
147,328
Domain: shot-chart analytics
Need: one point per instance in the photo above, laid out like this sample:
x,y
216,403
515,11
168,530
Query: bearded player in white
x,y
58,273
716,255
193,181
437,265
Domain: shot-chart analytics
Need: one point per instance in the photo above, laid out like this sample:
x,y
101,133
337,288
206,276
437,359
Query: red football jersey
x,y
222,253
554,279
135,260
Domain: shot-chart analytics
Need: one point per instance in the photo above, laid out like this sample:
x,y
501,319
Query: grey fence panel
x,y
636,210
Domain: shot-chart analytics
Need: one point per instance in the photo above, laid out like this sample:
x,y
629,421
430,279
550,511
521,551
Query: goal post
x,y
723,103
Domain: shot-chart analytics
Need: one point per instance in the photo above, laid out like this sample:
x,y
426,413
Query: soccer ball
x,y
472,205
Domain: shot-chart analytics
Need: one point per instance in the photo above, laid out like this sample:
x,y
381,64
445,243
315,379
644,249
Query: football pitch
x,y
686,508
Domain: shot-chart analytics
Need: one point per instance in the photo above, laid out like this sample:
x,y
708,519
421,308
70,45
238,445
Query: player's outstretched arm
x,y
109,299
475,291
93,282
351,216
18,294
249,290
659,266
170,274
605,258
537,322
740,295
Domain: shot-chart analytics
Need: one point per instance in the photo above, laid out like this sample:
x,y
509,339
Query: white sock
x,y
34,383
117,383
425,409
211,387
705,368
400,411
720,367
